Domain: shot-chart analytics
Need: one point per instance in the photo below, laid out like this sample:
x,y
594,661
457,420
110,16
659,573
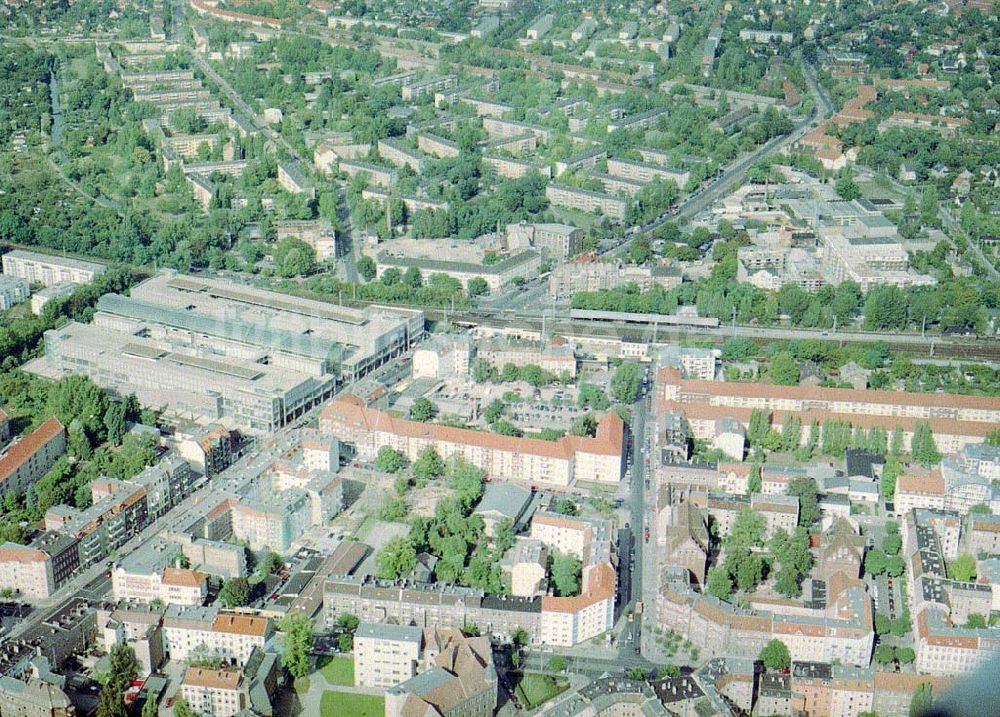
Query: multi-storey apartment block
x,y
563,195
13,290
560,241
642,172
26,570
535,461
497,276
385,655
31,457
44,269
213,692
401,155
33,697
379,176
956,421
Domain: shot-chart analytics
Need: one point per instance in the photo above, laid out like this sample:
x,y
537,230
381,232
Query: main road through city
x,y
630,633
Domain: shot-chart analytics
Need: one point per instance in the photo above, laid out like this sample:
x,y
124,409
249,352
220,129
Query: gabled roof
x,y
22,451
350,410
182,577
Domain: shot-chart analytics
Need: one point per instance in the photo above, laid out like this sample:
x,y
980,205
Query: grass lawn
x,y
536,688
341,704
337,670
575,216
366,525
301,686
601,489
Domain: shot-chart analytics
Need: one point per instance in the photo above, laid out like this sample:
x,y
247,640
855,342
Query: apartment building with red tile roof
x,y
598,459
955,420
31,457
843,631
26,570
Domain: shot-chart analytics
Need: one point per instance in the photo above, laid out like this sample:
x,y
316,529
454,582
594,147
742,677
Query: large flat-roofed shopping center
x,y
204,349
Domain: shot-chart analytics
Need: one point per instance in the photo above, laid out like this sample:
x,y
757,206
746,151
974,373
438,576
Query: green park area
x,y
535,688
337,670
341,704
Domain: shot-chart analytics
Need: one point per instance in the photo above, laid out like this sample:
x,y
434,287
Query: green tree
x,y
510,373
393,510
494,410
272,563
738,348
467,482
123,670
478,287
805,488
348,621
847,188
896,442
885,308
905,655
506,428
585,425
298,633
503,536
565,572
922,445
366,268
929,207
151,707
846,301
390,460
875,562
794,301
534,375
413,278
884,654
235,592
791,432
784,370
77,398
483,371
422,410
792,552
747,530
397,558
293,257
754,481
975,621
564,506
345,642
758,426
891,471
812,442
718,583
775,655
115,422
181,708
557,663
625,382
962,568
428,464
922,699
592,396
